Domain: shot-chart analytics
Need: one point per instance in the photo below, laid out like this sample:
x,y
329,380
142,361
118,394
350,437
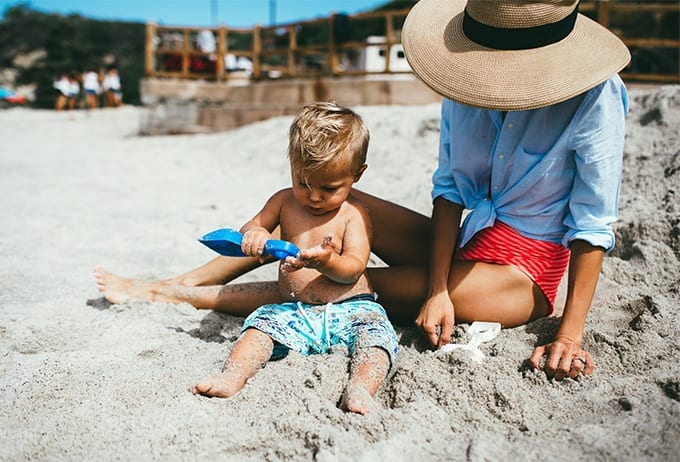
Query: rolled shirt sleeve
x,y
443,181
597,138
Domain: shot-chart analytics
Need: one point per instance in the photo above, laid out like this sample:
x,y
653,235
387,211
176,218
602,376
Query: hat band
x,y
518,39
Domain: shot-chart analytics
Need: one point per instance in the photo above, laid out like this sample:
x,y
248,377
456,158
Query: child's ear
x,y
360,171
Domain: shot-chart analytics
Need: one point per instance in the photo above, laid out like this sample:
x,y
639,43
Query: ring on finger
x,y
581,359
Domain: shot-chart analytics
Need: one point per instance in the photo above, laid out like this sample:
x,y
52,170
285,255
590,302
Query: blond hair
x,y
326,134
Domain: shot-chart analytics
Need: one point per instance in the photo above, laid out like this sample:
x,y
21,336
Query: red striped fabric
x,y
544,262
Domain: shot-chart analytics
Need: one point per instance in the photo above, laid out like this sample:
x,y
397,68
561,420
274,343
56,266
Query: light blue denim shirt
x,y
552,174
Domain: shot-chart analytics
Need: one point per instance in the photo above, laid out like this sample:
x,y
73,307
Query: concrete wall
x,y
190,106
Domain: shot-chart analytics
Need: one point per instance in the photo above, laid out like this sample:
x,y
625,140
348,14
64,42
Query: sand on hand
x,y
81,379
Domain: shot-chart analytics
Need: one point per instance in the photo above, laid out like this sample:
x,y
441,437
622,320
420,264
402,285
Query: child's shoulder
x,y
279,199
284,194
355,205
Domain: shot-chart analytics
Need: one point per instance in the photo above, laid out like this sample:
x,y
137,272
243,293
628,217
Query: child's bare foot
x,y
249,355
357,399
368,368
217,386
117,289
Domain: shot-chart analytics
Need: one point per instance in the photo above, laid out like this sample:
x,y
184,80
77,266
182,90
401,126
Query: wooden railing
x,y
361,44
602,12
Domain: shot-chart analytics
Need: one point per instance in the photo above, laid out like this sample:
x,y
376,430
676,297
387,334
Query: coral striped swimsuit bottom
x,y
544,262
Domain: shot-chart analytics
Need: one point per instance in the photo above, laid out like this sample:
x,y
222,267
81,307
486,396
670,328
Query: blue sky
x,y
235,13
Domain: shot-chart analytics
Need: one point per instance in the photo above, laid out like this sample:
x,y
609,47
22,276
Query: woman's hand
x,y
437,315
564,358
436,319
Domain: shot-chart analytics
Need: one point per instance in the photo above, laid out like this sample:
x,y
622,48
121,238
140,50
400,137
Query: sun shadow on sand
x,y
544,329
215,327
99,303
412,337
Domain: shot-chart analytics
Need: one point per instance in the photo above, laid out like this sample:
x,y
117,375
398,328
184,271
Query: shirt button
x,y
495,187
501,156
510,125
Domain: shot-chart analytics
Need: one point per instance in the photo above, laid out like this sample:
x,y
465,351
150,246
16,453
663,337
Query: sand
x,y
81,379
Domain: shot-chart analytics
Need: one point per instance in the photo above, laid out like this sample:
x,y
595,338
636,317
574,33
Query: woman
x,y
531,144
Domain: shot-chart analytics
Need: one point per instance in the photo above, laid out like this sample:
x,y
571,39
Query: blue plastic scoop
x,y
227,242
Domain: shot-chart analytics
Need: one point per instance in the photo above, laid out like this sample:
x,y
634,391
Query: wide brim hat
x,y
525,54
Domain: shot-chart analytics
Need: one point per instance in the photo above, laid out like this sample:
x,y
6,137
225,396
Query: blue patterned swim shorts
x,y
358,322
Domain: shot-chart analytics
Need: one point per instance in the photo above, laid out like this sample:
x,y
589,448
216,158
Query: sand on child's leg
x,y
250,353
368,369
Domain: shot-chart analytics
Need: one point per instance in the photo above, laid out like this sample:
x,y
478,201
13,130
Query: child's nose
x,y
314,195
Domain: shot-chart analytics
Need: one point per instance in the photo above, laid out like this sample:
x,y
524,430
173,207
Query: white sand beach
x,y
81,379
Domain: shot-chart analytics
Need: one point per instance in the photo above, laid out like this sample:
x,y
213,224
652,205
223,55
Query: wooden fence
x,y
362,44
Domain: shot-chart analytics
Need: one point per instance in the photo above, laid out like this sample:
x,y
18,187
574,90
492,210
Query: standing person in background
x,y
206,43
92,88
62,87
73,90
112,87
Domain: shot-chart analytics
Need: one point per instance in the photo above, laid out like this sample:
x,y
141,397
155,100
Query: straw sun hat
x,y
509,55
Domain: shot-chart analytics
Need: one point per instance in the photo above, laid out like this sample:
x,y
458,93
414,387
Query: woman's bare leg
x,y
250,353
236,299
368,369
498,293
479,291
401,291
401,237
219,270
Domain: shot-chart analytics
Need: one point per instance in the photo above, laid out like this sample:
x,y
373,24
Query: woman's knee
x,y
495,293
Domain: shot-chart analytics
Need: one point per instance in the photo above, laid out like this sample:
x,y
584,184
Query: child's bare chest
x,y
306,231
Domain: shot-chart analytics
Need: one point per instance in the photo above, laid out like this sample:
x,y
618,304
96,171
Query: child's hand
x,y
311,258
254,240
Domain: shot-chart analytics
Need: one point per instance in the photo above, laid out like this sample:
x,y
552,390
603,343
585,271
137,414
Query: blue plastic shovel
x,y
227,242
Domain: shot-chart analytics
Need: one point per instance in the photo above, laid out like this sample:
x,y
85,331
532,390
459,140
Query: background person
x,y
112,87
62,87
92,87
